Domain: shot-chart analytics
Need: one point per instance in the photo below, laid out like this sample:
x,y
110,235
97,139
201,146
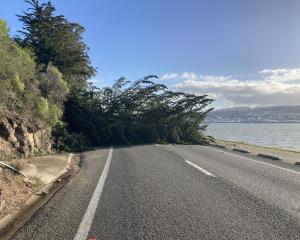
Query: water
x,y
282,135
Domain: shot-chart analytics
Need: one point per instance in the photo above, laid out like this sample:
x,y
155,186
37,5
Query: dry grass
x,y
13,161
7,156
19,164
14,191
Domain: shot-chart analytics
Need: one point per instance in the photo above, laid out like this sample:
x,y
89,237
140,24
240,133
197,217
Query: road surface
x,y
172,192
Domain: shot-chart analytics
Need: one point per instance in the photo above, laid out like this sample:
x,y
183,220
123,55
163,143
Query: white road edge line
x,y
268,164
200,168
85,225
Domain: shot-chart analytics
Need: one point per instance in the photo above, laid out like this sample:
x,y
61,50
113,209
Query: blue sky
x,y
216,47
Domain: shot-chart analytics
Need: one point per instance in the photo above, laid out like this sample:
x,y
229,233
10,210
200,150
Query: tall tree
x,y
55,40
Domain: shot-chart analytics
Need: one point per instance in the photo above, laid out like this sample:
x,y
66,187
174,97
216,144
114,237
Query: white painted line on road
x,y
200,168
268,164
85,225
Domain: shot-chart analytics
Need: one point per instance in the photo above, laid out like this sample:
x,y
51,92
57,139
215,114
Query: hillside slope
x,y
260,114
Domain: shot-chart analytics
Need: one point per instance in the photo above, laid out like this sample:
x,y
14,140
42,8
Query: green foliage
x,y
41,107
17,70
54,115
36,183
14,59
26,88
7,156
138,112
19,84
46,74
65,141
52,85
56,40
49,113
3,29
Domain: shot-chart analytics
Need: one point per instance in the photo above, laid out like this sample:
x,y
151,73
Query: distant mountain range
x,y
260,114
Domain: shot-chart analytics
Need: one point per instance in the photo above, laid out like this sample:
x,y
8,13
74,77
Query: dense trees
x,y
17,70
46,73
138,112
54,39
23,87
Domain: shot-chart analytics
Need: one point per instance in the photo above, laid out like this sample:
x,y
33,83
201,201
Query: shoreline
x,y
262,146
287,155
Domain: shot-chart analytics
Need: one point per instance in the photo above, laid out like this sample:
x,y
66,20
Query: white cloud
x,y
170,76
282,75
275,87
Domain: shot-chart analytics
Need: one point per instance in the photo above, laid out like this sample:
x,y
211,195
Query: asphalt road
x,y
172,192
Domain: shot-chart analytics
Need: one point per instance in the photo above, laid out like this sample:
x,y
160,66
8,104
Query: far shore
x,y
288,156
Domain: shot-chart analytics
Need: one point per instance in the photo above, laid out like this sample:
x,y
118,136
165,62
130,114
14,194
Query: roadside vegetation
x,y
14,191
23,81
44,74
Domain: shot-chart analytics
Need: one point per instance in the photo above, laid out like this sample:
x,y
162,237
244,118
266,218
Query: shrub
x,y
41,107
19,85
54,115
17,70
52,85
35,183
64,141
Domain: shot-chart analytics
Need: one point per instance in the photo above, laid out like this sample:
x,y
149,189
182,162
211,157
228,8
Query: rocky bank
x,y
23,136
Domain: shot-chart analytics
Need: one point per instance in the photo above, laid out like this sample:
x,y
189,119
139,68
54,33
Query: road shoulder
x,y
61,216
286,156
55,173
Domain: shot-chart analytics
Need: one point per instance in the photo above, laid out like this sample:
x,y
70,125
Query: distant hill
x,y
259,114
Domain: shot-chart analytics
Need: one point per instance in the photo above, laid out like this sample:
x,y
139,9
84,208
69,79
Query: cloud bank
x,y
274,87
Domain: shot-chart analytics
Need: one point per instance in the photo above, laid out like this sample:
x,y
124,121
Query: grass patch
x,y
6,156
35,183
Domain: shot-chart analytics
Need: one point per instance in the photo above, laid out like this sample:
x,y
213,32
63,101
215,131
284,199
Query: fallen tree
x,y
133,113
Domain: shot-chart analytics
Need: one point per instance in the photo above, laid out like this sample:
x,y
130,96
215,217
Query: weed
x,y
6,156
35,183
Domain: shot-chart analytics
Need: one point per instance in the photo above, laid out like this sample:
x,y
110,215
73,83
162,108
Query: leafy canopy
x,y
46,73
138,112
55,40
24,87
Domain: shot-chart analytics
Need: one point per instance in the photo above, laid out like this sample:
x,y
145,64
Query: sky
x,y
241,53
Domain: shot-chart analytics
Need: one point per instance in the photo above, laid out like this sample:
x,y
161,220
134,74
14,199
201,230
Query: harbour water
x,y
281,135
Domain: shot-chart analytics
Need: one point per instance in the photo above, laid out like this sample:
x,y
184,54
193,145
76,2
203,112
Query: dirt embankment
x,y
14,191
20,138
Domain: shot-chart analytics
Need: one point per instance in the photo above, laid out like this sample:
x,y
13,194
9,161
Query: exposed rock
x,y
23,136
